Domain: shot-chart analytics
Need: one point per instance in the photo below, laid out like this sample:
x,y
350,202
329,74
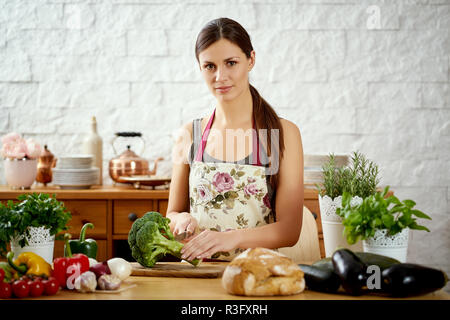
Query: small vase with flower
x,y
20,160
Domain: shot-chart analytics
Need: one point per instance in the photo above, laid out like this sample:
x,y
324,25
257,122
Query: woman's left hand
x,y
207,243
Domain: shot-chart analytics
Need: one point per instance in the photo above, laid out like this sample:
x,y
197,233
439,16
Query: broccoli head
x,y
150,239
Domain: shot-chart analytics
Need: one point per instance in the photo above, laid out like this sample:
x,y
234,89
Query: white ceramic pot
x,y
20,173
39,242
395,246
332,227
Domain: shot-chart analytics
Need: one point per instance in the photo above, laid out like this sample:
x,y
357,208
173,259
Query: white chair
x,y
307,249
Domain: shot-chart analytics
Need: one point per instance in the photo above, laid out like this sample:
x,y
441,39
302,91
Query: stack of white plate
x,y
77,161
75,172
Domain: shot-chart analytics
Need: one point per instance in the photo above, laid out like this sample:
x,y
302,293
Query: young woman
x,y
229,196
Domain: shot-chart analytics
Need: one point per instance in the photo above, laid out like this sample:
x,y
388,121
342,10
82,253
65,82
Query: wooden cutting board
x,y
179,270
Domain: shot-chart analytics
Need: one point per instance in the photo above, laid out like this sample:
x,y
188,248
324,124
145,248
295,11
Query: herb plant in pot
x,y
31,224
359,179
383,223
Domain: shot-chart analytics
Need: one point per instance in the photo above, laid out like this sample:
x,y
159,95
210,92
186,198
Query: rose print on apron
x,y
228,196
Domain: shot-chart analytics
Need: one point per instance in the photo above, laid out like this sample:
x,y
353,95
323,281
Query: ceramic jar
x,y
39,241
332,227
382,243
20,173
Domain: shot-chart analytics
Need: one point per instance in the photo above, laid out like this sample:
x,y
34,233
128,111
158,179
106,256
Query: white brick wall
x,y
349,81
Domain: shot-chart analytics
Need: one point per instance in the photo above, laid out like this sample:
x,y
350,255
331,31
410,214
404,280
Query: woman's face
x,y
225,68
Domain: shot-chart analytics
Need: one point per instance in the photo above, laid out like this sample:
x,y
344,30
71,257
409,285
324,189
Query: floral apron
x,y
228,196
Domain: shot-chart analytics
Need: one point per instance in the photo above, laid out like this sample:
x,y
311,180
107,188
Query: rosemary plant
x,y
360,178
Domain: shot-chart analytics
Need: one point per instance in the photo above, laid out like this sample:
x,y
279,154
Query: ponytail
x,y
267,118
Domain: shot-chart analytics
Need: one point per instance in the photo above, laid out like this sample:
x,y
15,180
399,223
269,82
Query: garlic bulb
x,y
86,282
120,268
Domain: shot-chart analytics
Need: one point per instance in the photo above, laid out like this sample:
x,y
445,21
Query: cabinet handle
x,y
132,216
84,221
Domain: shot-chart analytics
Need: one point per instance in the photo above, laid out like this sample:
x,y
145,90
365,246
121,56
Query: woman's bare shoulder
x,y
187,126
290,129
183,137
185,132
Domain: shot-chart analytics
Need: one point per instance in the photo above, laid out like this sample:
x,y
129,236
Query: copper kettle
x,y
128,163
46,162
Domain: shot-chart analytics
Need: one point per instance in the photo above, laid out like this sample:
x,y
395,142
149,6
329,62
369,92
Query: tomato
x,y
36,287
2,274
20,288
51,286
5,290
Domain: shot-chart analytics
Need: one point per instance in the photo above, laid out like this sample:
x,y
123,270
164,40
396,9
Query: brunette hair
x,y
265,116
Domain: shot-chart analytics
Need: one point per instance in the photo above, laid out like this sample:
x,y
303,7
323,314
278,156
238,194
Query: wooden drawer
x,y
162,206
101,252
84,211
126,210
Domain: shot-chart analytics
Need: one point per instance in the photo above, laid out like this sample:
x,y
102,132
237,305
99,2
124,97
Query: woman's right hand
x,y
182,222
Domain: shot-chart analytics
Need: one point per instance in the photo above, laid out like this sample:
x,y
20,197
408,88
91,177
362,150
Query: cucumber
x,y
367,258
320,279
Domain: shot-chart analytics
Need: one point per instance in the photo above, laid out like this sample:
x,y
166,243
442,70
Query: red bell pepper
x,y
67,269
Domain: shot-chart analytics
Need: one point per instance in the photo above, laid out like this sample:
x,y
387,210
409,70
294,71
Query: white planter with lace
x,y
332,226
395,246
39,242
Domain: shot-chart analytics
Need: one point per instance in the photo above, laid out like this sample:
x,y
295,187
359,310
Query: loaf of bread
x,y
262,272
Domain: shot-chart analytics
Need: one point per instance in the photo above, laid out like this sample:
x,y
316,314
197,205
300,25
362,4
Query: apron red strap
x,y
201,149
199,156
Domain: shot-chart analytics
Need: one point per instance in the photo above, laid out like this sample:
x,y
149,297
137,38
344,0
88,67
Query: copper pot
x,y
46,162
128,163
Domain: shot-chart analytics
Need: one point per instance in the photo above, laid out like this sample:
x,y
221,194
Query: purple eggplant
x,y
351,270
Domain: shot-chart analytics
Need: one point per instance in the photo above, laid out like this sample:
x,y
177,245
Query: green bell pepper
x,y
82,245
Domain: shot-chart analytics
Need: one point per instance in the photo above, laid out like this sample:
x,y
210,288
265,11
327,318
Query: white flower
x,y
33,148
16,147
14,150
11,138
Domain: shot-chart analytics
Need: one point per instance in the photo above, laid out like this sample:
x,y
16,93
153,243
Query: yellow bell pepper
x,y
30,263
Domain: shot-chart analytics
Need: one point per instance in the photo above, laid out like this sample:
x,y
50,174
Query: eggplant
x,y
407,279
324,263
320,279
367,258
351,270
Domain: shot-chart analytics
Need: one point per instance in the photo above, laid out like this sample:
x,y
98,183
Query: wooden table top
x,y
168,288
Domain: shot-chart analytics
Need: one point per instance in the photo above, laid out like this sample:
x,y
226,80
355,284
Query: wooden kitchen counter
x,y
95,192
170,288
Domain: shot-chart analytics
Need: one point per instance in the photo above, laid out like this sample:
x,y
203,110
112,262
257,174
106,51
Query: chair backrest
x,y
307,249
